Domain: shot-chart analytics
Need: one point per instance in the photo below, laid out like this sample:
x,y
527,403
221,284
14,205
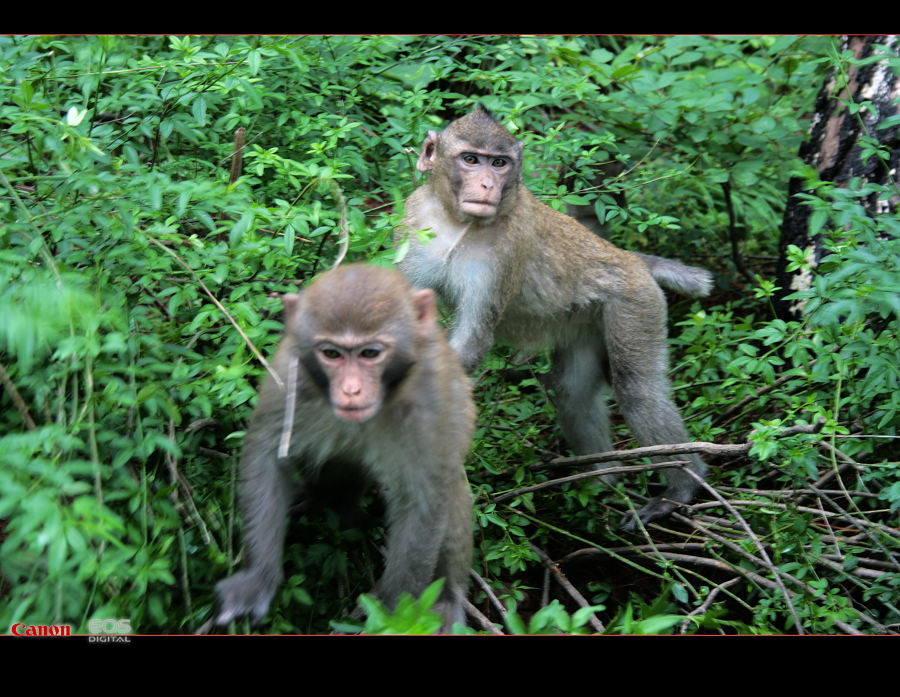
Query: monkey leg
x,y
642,392
451,605
579,383
654,420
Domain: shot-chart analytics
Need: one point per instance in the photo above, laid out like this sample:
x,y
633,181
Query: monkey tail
x,y
691,281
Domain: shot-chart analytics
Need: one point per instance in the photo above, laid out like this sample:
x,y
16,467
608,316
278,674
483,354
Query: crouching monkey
x,y
370,391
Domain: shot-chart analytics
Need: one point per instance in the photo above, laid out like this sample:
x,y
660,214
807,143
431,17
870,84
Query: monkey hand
x,y
247,592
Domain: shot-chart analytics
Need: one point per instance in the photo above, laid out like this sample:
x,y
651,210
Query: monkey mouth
x,y
479,208
471,202
356,414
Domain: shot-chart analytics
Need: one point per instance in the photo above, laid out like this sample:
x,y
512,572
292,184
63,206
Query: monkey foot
x,y
245,593
654,510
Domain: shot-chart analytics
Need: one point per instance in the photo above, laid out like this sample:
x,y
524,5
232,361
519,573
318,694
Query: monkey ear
x,y
426,159
425,306
291,302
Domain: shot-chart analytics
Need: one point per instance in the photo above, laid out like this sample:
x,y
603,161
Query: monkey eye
x,y
331,354
498,162
370,352
470,159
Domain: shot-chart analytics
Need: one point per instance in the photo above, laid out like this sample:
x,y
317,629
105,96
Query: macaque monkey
x,y
516,271
370,391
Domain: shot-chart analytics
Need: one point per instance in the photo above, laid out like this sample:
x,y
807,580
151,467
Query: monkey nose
x,y
351,388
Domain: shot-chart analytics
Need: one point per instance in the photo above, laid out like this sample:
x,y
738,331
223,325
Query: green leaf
x,y
240,228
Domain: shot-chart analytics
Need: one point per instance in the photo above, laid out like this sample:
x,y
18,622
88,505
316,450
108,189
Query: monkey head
x,y
477,166
358,329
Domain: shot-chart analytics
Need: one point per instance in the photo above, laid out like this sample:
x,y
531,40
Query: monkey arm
x,y
482,285
476,313
429,532
264,499
413,547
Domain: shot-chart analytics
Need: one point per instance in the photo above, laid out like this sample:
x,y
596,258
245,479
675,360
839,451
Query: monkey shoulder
x,y
437,377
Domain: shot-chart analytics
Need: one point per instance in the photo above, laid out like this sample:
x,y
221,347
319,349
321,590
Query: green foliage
x,y
411,616
126,386
552,619
649,619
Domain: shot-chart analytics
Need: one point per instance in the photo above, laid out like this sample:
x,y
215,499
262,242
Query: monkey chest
x,y
449,262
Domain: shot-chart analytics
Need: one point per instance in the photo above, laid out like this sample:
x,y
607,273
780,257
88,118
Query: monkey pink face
x,y
354,374
482,181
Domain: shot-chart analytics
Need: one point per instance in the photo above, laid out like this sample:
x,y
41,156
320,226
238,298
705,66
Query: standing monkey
x,y
371,391
518,272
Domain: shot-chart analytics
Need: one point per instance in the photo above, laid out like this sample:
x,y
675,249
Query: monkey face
x,y
476,164
354,377
481,181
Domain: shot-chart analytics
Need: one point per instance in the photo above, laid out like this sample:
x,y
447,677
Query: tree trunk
x,y
834,149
